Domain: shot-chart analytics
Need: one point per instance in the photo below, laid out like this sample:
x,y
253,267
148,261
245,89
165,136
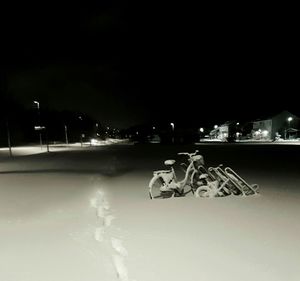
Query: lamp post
x,y
37,103
215,128
39,121
8,139
97,131
201,133
237,131
289,120
80,118
173,126
66,135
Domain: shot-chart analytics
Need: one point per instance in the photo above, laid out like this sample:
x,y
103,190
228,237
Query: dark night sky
x,y
126,64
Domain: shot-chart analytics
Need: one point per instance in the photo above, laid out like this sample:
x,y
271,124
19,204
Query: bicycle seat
x,y
169,162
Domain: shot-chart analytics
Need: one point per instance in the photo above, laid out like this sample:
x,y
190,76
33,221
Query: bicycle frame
x,y
169,179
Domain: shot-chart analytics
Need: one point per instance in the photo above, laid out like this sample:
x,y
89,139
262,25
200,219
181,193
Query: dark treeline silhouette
x,y
22,124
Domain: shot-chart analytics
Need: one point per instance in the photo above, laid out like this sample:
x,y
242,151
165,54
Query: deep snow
x,y
85,214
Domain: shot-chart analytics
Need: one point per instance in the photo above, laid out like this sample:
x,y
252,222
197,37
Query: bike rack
x,y
221,176
246,188
227,180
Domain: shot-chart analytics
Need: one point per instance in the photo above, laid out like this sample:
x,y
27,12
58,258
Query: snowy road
x,y
85,215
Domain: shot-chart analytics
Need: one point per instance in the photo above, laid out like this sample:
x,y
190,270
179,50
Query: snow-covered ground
x,y
36,149
85,214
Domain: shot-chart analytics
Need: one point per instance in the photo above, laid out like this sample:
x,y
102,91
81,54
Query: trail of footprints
x,y
105,218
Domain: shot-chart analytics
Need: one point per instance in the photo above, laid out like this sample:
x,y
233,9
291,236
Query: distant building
x,y
226,131
223,132
284,125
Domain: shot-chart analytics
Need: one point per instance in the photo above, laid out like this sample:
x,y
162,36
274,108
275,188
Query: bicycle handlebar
x,y
189,154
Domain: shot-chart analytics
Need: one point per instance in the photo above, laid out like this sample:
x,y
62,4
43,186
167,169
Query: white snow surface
x,y
86,215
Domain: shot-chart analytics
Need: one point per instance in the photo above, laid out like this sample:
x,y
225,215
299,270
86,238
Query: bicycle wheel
x,y
202,191
156,189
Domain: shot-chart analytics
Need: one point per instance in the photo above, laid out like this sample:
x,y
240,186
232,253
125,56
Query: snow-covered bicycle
x,y
164,183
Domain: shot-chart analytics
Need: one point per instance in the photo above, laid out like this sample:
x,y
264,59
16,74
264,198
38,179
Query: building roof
x,y
284,112
292,130
229,122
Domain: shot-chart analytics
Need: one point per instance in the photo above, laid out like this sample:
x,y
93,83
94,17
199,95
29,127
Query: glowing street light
x,y
216,126
289,120
201,130
37,103
173,126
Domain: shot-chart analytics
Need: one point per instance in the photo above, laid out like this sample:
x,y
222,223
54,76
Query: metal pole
x,y
39,121
66,135
173,137
8,139
41,143
80,118
47,141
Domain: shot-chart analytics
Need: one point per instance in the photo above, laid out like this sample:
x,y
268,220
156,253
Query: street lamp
x,y
173,126
39,121
215,132
289,120
8,139
201,134
37,103
66,135
96,129
80,118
